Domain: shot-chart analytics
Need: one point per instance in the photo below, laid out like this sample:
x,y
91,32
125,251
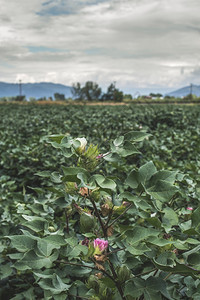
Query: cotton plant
x,y
86,237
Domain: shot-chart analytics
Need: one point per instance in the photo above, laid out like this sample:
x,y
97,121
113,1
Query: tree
x,y
20,98
127,97
59,97
77,91
113,94
158,95
90,91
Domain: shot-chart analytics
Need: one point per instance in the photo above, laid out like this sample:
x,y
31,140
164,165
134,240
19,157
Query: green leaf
x,y
126,150
118,141
55,240
136,136
44,248
168,176
44,174
195,219
22,243
146,171
56,177
75,252
134,288
194,259
137,249
104,183
35,223
56,138
154,221
54,285
178,268
139,233
32,260
170,218
133,179
126,196
108,282
59,284
162,191
5,270
70,173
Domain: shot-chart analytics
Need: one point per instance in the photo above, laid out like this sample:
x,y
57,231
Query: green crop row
x,y
133,188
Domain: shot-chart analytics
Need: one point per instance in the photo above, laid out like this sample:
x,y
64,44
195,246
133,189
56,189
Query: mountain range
x,y
36,90
184,91
48,89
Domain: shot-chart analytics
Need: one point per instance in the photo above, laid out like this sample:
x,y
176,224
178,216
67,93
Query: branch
x,y
115,251
85,266
114,221
99,218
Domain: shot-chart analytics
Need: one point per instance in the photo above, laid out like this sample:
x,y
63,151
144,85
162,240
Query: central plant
x,y
93,236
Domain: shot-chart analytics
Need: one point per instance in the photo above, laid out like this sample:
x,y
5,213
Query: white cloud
x,y
137,43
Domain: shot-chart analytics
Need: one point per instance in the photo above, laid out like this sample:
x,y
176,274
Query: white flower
x,y
83,142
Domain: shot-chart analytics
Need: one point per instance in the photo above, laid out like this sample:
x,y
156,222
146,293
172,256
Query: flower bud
x,y
81,148
123,273
99,246
51,229
190,208
95,194
87,222
85,242
71,188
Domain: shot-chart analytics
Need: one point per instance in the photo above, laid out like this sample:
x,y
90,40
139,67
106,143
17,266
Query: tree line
x,y
91,91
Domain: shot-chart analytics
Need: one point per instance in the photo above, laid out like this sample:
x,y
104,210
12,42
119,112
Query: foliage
x,y
129,191
92,92
59,97
89,92
113,94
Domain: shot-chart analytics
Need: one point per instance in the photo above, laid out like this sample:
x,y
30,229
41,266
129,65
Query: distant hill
x,y
36,90
185,91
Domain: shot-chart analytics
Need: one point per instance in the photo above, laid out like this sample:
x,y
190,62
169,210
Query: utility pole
x,y
20,87
191,90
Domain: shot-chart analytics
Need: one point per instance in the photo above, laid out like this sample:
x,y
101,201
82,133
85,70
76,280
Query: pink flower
x,y
190,208
99,156
100,246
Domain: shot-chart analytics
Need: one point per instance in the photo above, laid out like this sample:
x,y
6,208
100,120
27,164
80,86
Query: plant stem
x,y
147,272
79,297
114,221
85,266
104,228
168,275
99,218
67,221
118,286
117,250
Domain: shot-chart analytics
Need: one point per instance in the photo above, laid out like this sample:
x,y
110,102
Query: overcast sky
x,y
137,43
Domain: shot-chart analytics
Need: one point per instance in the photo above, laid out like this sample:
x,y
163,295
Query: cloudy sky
x,y
136,43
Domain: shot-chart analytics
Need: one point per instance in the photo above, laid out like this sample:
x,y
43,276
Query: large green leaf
x,y
35,223
104,183
22,243
34,261
162,190
139,233
146,171
55,285
136,136
70,173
